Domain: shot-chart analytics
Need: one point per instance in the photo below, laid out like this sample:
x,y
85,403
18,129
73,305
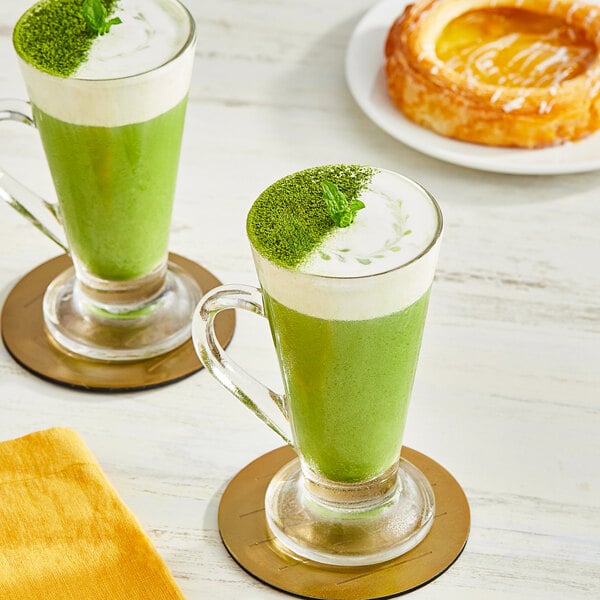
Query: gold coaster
x,y
26,339
247,538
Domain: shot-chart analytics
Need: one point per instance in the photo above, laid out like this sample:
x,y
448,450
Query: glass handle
x,y
15,194
243,386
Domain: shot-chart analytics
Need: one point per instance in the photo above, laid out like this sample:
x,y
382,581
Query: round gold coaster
x,y
247,538
26,339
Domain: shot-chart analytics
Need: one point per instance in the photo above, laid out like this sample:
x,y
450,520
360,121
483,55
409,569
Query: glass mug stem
x,y
15,194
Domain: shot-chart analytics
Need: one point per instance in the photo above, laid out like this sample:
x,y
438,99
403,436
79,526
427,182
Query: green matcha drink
x,y
347,307
108,83
110,109
116,188
348,385
345,256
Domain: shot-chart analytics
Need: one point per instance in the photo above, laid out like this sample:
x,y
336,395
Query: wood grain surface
x,y
507,396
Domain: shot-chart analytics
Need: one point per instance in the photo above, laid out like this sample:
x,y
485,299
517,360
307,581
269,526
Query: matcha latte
x,y
110,110
108,83
345,255
347,308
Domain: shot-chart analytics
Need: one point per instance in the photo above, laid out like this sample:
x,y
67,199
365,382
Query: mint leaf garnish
x,y
96,15
342,212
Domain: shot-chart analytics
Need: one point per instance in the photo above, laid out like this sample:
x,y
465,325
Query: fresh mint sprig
x,y
342,212
96,15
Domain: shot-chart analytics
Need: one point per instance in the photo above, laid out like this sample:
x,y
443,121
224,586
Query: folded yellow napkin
x,y
64,532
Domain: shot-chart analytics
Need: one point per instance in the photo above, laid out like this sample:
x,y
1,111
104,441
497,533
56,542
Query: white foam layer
x,y
372,268
394,227
150,34
107,91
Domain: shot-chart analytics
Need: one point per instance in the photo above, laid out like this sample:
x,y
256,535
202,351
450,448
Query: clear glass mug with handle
x,y
112,141
347,326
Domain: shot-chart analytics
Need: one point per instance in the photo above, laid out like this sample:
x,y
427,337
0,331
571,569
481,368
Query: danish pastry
x,y
522,73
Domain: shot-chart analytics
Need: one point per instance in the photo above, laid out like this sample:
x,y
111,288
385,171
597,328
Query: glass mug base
x,y
350,535
121,332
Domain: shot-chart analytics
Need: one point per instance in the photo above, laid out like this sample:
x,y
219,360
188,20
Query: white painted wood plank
x,y
508,389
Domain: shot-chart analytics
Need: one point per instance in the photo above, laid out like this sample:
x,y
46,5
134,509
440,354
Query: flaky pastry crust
x,y
435,96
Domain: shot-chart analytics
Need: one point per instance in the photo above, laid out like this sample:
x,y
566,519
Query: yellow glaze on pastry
x,y
516,48
500,72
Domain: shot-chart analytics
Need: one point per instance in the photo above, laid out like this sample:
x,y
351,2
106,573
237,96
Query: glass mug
x,y
113,147
347,349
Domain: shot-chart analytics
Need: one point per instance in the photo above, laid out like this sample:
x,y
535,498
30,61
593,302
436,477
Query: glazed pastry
x,y
520,73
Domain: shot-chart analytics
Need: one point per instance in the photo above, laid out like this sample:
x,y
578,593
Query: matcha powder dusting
x,y
53,36
290,218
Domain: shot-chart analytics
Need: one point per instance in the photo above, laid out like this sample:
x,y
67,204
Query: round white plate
x,y
366,79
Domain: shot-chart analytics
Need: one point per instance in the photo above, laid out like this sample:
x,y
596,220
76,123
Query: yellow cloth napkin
x,y
64,532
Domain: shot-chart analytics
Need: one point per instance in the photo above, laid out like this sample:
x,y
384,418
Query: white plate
x,y
366,79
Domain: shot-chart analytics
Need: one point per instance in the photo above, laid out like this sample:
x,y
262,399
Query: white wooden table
x,y
508,390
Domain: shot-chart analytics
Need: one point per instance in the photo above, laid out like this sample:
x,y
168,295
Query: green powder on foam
x,y
290,218
53,36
